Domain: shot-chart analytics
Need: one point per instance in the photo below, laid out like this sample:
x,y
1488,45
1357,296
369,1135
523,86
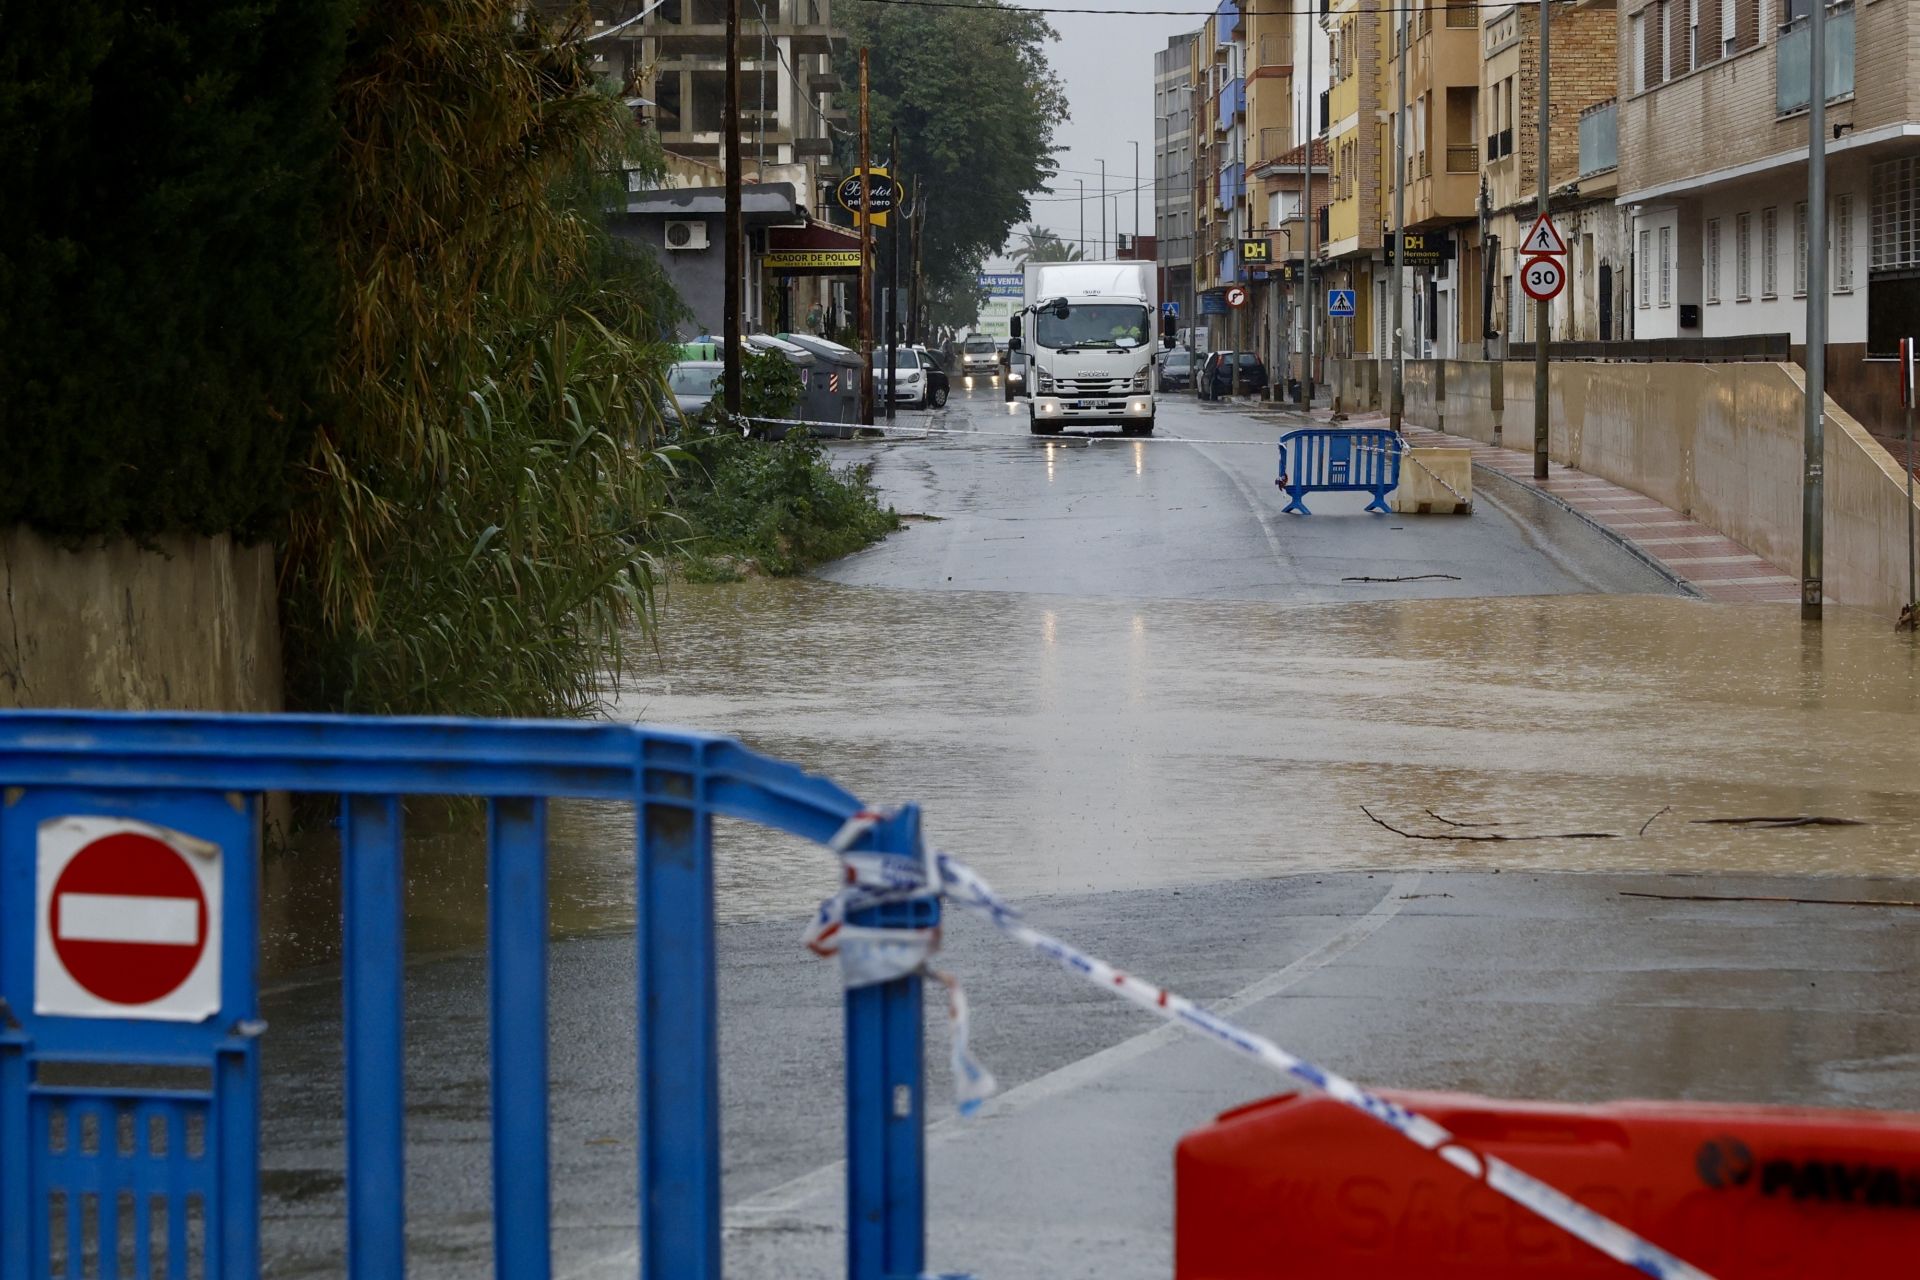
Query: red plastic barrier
x,y
1307,1189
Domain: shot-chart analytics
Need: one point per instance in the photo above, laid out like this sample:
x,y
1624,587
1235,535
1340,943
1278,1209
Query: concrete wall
x,y
185,624
1718,442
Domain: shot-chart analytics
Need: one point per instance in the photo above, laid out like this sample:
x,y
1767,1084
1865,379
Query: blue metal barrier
x,y
129,1128
1330,460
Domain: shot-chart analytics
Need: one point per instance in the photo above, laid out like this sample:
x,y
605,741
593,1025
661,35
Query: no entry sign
x,y
128,921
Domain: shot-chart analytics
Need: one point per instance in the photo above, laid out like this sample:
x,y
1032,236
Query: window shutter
x,y
1650,71
1678,60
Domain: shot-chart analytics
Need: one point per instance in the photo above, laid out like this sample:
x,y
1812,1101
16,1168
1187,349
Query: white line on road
x,y
825,1184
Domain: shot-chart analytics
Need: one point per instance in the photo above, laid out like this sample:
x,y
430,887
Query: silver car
x,y
979,355
692,383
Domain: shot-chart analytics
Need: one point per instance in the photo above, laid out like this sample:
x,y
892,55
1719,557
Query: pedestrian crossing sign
x,y
1340,303
1543,238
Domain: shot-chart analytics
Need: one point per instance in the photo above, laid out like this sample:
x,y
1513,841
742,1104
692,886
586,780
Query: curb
x,y
1613,535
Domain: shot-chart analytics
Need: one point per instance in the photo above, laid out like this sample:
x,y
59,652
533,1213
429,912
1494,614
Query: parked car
x,y
1016,379
938,383
978,355
692,383
913,378
1176,370
1216,375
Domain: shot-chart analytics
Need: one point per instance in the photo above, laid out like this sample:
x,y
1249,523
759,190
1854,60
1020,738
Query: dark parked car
x,y
1216,375
938,382
1176,370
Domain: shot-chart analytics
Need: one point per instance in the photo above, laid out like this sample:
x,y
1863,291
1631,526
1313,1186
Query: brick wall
x,y
1722,114
1585,72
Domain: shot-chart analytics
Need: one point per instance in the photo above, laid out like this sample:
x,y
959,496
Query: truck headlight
x,y
1140,381
1042,380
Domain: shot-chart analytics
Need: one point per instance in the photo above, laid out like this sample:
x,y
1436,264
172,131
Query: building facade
x,y
1713,165
1173,170
672,65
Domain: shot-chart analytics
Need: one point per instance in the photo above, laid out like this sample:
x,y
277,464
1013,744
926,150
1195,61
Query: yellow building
x,y
1358,35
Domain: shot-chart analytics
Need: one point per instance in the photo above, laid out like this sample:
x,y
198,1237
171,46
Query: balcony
x,y
1462,14
1793,75
1233,102
1463,159
1273,51
1599,139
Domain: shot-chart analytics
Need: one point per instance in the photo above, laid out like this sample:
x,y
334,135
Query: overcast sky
x,y
1106,65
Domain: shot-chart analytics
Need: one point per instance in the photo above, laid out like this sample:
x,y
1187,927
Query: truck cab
x,y
1086,335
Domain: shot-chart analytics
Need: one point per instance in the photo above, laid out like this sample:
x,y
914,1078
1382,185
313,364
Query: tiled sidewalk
x,y
1705,559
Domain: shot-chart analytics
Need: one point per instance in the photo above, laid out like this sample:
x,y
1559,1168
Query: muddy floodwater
x,y
1065,744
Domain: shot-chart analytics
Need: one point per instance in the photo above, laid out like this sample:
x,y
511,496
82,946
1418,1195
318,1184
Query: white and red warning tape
x,y
872,879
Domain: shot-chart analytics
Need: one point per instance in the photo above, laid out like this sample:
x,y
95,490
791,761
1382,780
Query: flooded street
x,y
1071,745
1157,715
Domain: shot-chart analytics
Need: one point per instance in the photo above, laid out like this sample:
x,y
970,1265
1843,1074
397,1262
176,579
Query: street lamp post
x,y
1136,199
1103,208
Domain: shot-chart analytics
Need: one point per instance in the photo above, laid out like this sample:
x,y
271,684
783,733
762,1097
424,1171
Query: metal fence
x,y
129,1122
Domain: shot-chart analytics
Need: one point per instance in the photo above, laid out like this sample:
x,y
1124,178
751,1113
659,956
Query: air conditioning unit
x,y
686,235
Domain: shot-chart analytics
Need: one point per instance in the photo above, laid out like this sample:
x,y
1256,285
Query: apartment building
x,y
1713,140
672,64
1582,178
1173,172
1359,149
1440,45
1220,124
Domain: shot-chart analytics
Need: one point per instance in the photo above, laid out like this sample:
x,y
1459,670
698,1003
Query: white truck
x,y
1086,330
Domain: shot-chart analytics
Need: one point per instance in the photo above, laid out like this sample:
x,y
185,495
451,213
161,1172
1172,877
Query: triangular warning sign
x,y
1544,238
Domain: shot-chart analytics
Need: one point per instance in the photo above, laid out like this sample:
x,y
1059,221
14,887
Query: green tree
x,y
478,503
165,293
1041,245
976,105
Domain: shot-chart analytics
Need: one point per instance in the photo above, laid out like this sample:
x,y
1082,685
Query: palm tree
x,y
1042,245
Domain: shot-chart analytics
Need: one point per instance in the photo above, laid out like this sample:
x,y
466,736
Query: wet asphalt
x,y
1529,975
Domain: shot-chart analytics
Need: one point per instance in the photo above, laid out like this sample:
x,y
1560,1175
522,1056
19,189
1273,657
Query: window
x,y
1713,260
1640,84
1896,214
1743,257
1842,233
1646,269
1693,33
1659,63
1800,250
1729,27
1666,266
1769,253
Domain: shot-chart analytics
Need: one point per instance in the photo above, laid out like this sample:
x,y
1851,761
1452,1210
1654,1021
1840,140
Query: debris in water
x,y
1801,820
1734,897
1494,837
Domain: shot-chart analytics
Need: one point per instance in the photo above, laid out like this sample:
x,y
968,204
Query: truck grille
x,y
1094,386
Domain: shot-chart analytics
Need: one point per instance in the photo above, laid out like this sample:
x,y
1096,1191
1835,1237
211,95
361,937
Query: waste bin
x,y
804,364
834,395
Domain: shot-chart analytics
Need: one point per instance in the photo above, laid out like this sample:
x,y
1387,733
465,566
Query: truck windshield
x,y
1093,324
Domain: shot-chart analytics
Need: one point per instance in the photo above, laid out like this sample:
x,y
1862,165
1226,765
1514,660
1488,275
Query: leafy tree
x,y
1041,245
976,131
164,290
481,490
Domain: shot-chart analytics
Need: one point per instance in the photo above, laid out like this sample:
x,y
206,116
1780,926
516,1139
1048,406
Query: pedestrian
x,y
816,321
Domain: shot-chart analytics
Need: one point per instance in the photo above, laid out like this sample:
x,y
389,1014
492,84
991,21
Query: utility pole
x,y
1397,403
893,271
866,260
1136,199
1543,311
1813,484
1081,205
1306,206
1103,208
735,237
914,258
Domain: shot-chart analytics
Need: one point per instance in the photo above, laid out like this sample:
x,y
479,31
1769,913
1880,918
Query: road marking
x,y
829,1180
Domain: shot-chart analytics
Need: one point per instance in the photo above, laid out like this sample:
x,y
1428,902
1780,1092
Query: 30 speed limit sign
x,y
1543,278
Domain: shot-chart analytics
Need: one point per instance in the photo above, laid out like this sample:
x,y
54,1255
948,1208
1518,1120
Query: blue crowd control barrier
x,y
1331,460
129,845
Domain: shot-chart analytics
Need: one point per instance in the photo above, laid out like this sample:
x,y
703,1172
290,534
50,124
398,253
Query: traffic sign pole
x,y
1543,309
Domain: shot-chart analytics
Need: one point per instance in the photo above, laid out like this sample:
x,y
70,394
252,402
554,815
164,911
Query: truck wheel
x,y
1034,426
